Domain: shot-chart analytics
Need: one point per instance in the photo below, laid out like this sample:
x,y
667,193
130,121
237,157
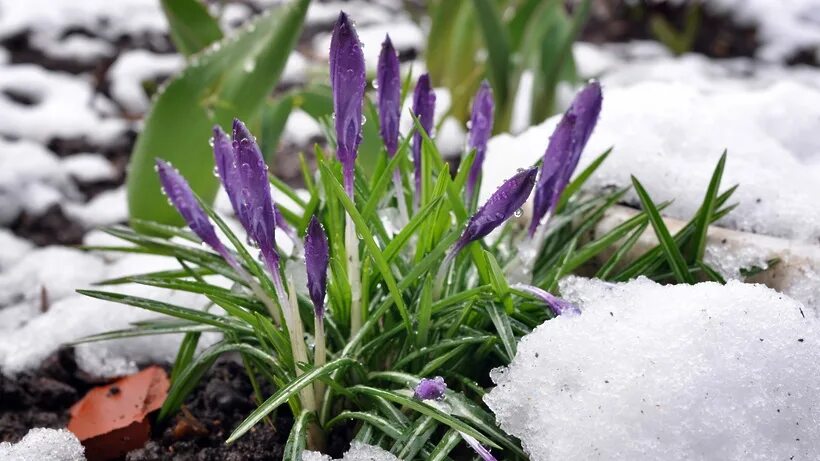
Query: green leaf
x,y
670,247
192,27
423,408
498,47
215,87
445,446
380,423
367,237
297,440
286,392
502,326
707,209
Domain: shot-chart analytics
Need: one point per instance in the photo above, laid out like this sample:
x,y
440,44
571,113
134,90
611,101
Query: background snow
x,y
358,452
666,372
44,445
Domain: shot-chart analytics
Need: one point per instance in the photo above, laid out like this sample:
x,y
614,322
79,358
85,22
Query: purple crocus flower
x,y
249,192
481,127
316,261
564,150
178,191
430,389
424,105
558,305
504,202
389,96
228,170
347,82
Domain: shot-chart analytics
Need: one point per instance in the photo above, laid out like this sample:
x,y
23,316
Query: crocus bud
x,y
504,202
317,255
424,105
347,82
481,127
482,452
179,193
388,85
430,389
557,305
252,197
564,150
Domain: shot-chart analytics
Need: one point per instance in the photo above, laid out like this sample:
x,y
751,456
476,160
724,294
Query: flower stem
x,y
297,344
352,248
319,356
405,217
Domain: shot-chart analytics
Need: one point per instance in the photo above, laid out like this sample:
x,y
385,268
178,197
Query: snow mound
x,y
666,372
358,452
131,69
44,445
670,136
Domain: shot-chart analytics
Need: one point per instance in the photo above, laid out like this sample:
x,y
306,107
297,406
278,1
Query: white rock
x,y
358,452
131,69
666,372
44,445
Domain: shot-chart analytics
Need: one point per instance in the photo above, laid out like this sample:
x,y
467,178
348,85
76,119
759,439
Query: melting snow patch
x,y
43,105
109,207
134,67
88,167
44,445
358,452
666,372
670,136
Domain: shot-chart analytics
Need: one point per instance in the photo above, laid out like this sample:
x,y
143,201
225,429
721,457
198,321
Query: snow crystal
x,y
670,136
44,445
666,372
358,452
88,167
60,106
134,67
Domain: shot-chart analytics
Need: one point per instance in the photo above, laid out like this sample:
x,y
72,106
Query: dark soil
x,y
223,398
52,227
618,21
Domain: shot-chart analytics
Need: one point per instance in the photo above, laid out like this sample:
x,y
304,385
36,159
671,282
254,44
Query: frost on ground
x,y
666,372
358,452
44,445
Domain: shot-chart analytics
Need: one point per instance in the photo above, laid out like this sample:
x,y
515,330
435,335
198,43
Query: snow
x,y
404,33
44,445
88,167
134,67
301,128
666,372
358,452
63,106
30,177
28,335
77,48
109,207
670,136
13,247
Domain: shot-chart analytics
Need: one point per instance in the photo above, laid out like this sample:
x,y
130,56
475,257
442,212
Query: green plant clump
x,y
407,298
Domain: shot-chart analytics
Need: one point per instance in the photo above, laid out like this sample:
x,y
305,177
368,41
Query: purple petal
x,y
253,197
483,453
424,105
227,169
347,81
389,96
481,127
430,389
564,150
317,255
179,193
558,305
504,202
